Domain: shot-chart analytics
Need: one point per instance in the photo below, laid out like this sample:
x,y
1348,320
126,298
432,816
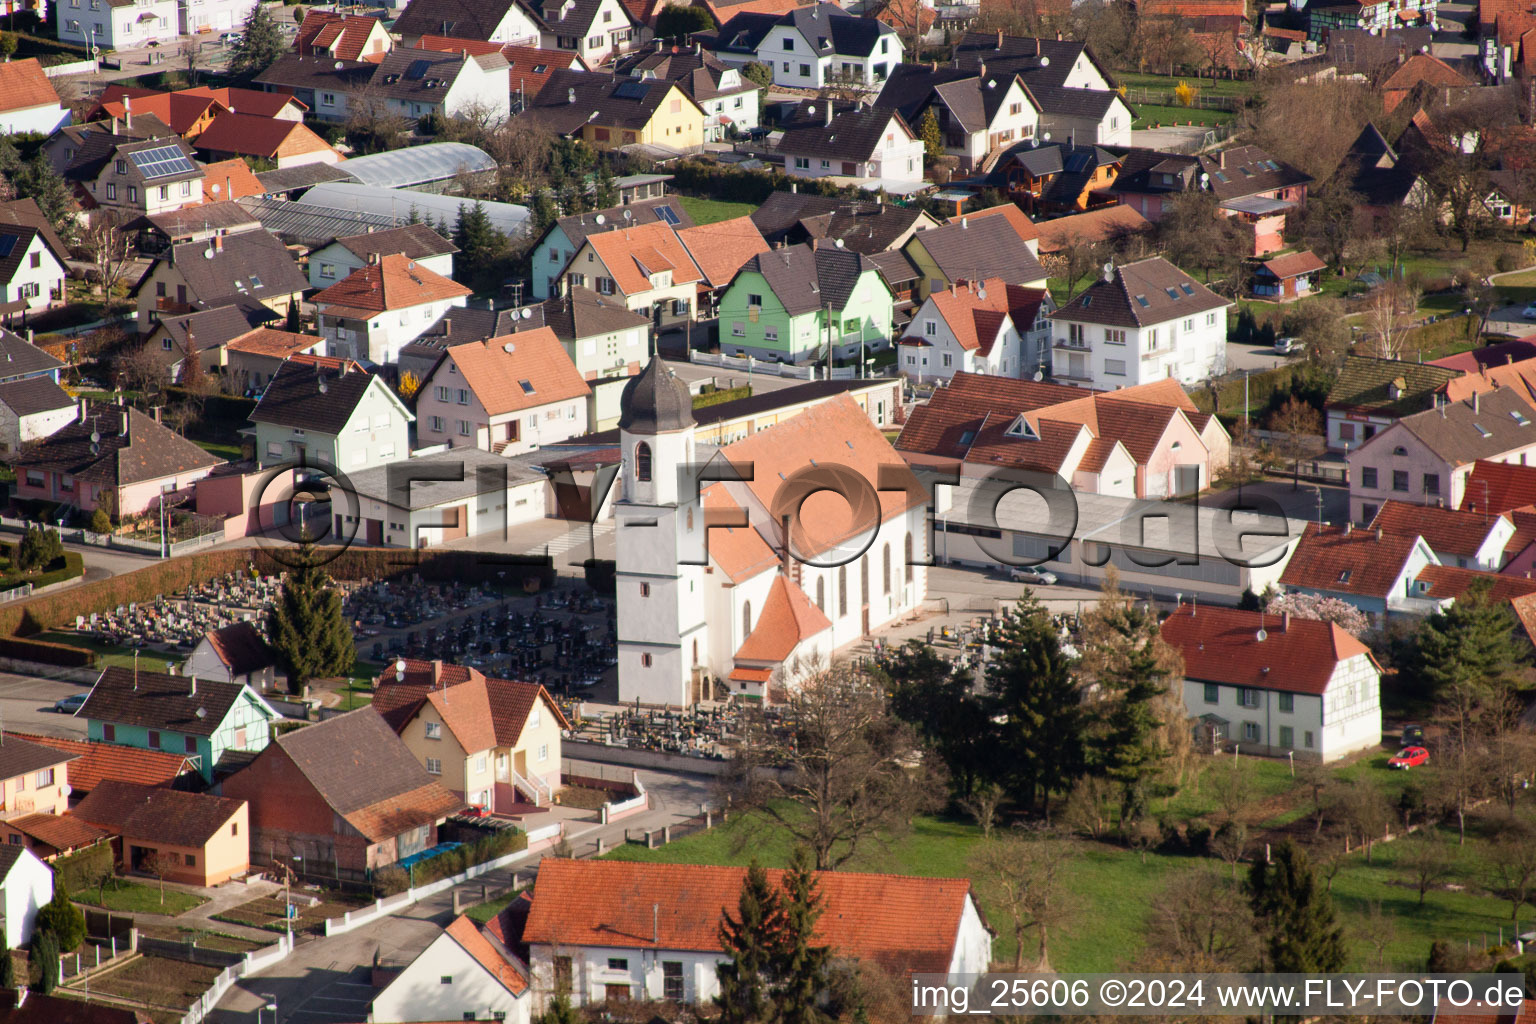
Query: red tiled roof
x,y
224,180
240,647
1518,375
179,111
902,923
1444,529
482,712
1525,531
394,282
1098,225
528,67
1449,581
265,341
721,248
1013,215
1423,68
1295,264
519,371
464,931
253,135
1496,487
739,551
1221,645
975,313
248,101
631,254
62,832
98,762
788,617
338,35
1342,561
23,85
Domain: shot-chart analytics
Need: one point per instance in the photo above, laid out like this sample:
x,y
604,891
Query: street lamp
x,y
270,1006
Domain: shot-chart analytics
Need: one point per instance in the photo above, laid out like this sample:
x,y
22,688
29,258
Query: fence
x,y
250,963
25,590
1169,98
78,67
746,364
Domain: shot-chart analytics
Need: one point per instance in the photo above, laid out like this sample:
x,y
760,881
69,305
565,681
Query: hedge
x,y
722,395
1441,332
1227,397
218,407
394,879
45,653
83,869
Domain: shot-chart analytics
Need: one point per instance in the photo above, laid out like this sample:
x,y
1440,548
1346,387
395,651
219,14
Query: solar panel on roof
x,y
631,90
667,215
7,243
161,162
1077,161
418,69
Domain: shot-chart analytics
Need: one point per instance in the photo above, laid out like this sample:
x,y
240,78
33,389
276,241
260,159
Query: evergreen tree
x,y
7,963
757,72
62,918
605,191
309,633
1295,915
560,1011
1036,701
752,940
803,970
936,697
37,180
928,131
677,21
45,957
40,547
1470,643
544,210
292,326
100,521
261,44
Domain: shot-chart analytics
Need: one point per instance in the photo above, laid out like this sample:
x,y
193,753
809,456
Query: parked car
x,y
231,38
1288,346
1529,312
1409,757
69,705
1032,574
477,811
1413,735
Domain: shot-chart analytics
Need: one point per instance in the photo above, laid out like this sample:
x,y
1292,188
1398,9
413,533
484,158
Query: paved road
x,y
26,705
1253,357
326,981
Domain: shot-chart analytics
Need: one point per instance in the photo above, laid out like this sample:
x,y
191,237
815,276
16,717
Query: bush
x,y
45,961
391,881
39,547
721,395
63,919
100,521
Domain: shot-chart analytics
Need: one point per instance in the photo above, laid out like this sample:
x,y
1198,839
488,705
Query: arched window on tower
x,y
885,566
643,462
821,593
842,590
907,547
746,620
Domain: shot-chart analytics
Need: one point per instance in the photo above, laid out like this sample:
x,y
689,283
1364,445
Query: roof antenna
x,y
135,670
655,924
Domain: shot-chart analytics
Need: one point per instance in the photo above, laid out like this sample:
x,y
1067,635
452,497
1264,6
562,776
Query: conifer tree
x,y
803,970
1472,641
309,632
751,939
928,131
45,954
7,963
260,44
1295,915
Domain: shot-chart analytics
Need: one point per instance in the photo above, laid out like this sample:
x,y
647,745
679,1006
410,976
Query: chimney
x,y
16,997
373,259
1194,604
229,187
437,670
656,924
1058,35
965,224
155,412
447,327
123,417
193,692
999,39
982,69
218,243
84,409
1285,622
829,112
1475,402
1349,528
128,112
1379,534
114,124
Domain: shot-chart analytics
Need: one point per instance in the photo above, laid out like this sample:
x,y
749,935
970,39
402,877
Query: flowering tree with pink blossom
x,y
1326,609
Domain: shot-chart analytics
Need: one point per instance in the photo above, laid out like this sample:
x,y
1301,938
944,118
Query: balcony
x,y
1068,345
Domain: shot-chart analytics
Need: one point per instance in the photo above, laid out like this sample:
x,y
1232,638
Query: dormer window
x,y
1020,428
967,437
1344,576
1396,388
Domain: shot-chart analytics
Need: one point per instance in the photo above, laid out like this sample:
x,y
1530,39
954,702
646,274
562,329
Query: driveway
x,y
1253,358
26,705
1510,320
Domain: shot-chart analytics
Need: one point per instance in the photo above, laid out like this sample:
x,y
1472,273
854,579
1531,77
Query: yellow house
x,y
608,112
973,249
245,269
34,778
492,742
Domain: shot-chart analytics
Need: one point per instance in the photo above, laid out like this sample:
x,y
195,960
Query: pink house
x,y
114,457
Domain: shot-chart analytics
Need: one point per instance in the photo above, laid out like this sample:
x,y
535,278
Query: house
x,y
1140,322
1056,177
607,343
77,152
1371,394
340,798
22,360
1104,225
1076,98
236,653
116,24
418,242
791,305
1426,458
646,267
317,415
254,357
31,410
28,102
493,742
111,457
1276,685
1466,540
1292,276
202,718
1385,182
26,886
608,112
134,176
978,114
782,216
749,625
248,269
871,145
212,16
464,971
269,139
1370,569
189,111
438,497
341,36
719,250
173,339
623,931
557,246
812,47
868,228
528,67
34,778
32,271
50,836
193,838
729,101
1145,441
420,83
325,86
595,30
1421,76
973,249
1372,16
496,21
93,762
158,232
984,327
504,395
1520,376
380,307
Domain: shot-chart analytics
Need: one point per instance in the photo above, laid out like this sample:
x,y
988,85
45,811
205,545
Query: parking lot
x,y
26,705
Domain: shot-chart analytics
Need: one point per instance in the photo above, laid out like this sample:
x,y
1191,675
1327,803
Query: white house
x,y
213,15
978,113
28,102
558,244
26,885
416,83
1276,685
1141,322
377,310
596,31
1466,539
337,414
871,144
1371,569
32,272
496,21
811,47
612,930
236,653
988,327
331,263
32,409
465,973
116,24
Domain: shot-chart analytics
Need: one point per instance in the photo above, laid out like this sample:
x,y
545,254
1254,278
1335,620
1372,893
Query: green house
x,y
200,719
789,304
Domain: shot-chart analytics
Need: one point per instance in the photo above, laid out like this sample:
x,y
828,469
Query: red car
x,y
477,811
1409,757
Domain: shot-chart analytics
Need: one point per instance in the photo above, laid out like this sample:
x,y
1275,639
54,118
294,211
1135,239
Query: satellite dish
x,y
527,313
1046,136
1039,375
1045,62
1261,636
981,293
95,448
214,189
601,219
208,253
838,243
811,110
324,387
508,347
338,65
95,437
627,216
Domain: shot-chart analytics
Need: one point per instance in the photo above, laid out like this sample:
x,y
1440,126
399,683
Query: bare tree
x,y
141,369
1024,878
1367,813
1427,859
1510,758
1201,923
1389,318
1458,779
1232,786
1512,864
1079,256
982,805
1085,810
842,772
1230,842
110,249
1379,930
1299,425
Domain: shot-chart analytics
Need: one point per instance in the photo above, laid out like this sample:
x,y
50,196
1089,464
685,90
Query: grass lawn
x,y
153,979
707,211
128,897
490,908
221,449
1148,114
111,654
1207,86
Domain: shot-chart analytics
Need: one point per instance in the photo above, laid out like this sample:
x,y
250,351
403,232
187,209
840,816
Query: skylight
x,y
1344,576
1519,417
968,437
527,386
1482,429
1142,299
255,281
1173,293
1186,289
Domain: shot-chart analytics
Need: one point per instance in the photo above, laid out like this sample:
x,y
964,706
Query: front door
x,y
850,168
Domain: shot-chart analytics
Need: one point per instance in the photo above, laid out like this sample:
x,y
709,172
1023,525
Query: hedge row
x,y
392,880
737,184
45,653
722,395
218,407
1227,397
81,871
1441,332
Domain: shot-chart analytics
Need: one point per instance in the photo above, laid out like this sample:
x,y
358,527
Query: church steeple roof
x,y
655,401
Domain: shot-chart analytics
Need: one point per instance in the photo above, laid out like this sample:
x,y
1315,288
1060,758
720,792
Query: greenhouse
x,y
398,203
419,165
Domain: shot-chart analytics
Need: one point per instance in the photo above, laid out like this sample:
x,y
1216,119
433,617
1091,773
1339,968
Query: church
x,y
740,567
